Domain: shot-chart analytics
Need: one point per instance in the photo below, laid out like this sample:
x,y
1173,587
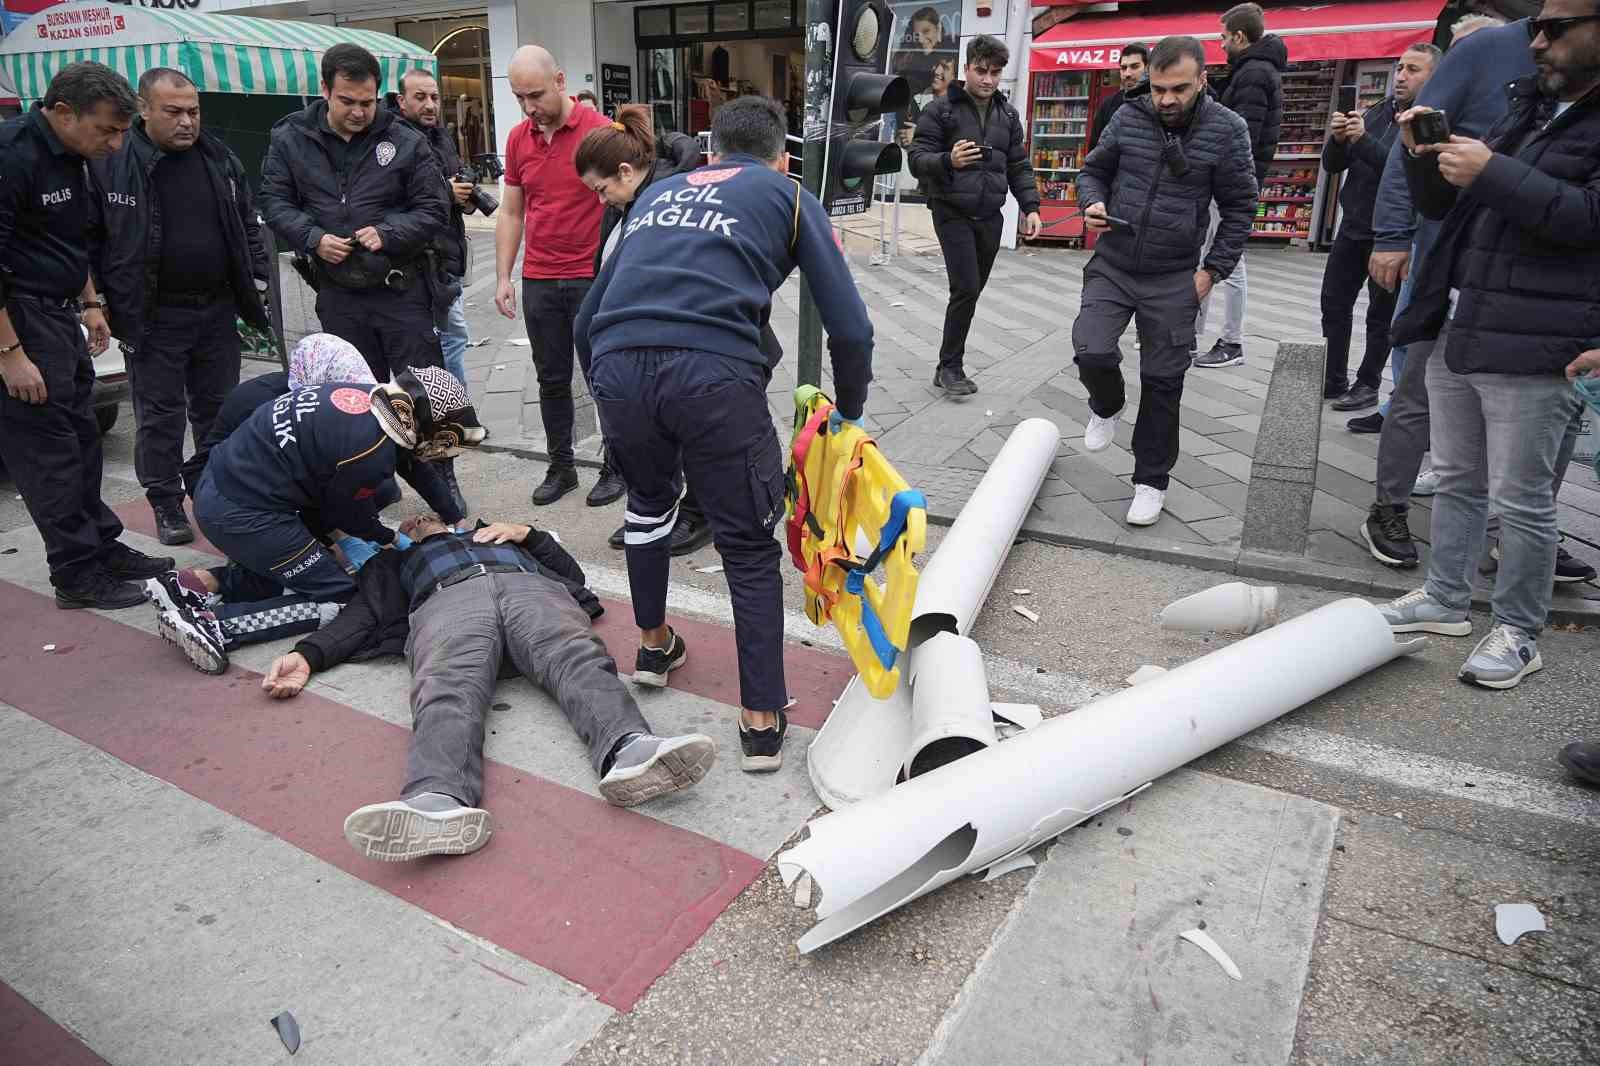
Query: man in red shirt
x,y
560,216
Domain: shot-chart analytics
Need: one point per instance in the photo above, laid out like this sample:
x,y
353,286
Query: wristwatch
x,y
9,348
98,302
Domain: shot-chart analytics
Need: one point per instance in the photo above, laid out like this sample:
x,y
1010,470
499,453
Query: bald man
x,y
546,202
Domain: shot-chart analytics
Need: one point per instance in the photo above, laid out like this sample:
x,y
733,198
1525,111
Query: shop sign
x,y
616,86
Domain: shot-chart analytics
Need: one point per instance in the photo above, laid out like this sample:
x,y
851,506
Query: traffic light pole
x,y
813,163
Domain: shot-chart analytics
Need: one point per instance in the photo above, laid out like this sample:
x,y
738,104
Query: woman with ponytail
x,y
619,160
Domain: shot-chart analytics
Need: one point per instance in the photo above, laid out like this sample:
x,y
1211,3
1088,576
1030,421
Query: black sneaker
x,y
1570,569
689,534
99,589
761,750
1221,354
1332,390
172,525
558,481
954,381
196,634
619,539
121,561
608,489
652,665
1388,537
1372,423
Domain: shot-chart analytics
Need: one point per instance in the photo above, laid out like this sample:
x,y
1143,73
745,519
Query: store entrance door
x,y
466,97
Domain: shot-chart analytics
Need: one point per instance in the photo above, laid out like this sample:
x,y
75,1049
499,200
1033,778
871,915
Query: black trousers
x,y
1342,278
549,309
392,330
186,364
671,410
1165,306
52,449
969,246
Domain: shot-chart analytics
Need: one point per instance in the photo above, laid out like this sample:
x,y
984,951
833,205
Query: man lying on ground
x,y
328,449
466,608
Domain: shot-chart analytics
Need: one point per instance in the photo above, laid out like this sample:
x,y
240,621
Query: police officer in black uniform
x,y
356,190
48,435
179,257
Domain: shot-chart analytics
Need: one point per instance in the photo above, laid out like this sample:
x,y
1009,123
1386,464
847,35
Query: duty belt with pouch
x,y
363,271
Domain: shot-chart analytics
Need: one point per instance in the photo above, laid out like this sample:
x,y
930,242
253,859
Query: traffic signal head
x,y
862,92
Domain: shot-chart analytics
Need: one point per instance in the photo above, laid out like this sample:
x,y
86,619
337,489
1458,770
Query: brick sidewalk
x,y
1019,353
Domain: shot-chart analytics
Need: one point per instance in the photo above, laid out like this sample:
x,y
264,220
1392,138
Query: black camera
x,y
486,203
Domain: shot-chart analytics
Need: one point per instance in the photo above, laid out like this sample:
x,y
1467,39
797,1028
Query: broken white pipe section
x,y
1231,608
863,746
951,716
883,852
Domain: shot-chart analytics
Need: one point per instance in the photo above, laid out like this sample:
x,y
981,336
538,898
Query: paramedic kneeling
x,y
671,333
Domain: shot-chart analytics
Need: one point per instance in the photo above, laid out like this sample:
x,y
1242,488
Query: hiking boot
x,y
647,766
1388,537
761,750
121,561
954,381
608,489
558,481
429,823
1372,423
1145,510
195,633
1357,398
99,589
1100,432
652,665
689,534
1582,760
1332,390
1221,354
1418,612
172,525
1502,659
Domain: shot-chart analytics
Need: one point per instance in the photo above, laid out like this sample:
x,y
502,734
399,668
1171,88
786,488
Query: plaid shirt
x,y
430,561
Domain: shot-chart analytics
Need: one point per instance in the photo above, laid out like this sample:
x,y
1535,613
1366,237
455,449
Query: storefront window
x,y
466,96
691,19
653,22
731,18
775,15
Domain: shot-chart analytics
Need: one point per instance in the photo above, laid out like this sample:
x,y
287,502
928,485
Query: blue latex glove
x,y
835,420
356,550
401,541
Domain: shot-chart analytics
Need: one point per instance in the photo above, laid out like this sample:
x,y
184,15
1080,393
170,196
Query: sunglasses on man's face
x,y
1554,29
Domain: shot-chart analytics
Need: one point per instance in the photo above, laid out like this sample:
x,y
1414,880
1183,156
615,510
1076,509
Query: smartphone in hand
x,y
1347,99
1430,127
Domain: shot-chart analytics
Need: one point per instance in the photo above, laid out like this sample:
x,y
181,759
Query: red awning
x,y
1348,30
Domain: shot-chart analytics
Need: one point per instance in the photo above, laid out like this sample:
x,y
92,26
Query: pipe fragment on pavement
x,y
951,716
288,1031
883,852
1233,607
1512,920
1202,940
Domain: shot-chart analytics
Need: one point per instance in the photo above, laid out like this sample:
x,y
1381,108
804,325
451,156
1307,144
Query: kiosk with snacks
x,y
1338,52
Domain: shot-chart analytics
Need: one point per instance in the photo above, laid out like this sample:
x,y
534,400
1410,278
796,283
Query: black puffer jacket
x,y
1255,93
125,230
378,620
1519,243
1170,212
393,184
451,245
1364,160
978,190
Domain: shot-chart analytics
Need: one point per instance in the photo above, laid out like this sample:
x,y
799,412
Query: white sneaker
x,y
1427,483
1097,438
1145,509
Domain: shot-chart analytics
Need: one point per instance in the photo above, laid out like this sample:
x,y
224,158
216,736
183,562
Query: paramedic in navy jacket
x,y
671,333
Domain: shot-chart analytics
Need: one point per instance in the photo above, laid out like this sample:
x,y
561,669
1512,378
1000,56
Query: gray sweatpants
x,y
459,637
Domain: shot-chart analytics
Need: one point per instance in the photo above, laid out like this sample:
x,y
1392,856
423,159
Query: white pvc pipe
x,y
873,857
951,716
863,744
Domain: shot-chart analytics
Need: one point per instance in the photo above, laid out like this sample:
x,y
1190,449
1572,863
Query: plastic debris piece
x,y
1147,672
1203,941
792,701
1021,715
477,343
1032,616
897,303
1233,607
288,1031
1005,866
1022,592
802,892
522,341
49,647
1511,920
714,568
9,551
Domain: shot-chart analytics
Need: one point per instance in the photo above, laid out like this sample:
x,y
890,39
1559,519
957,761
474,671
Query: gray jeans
x,y
1496,441
1235,287
459,637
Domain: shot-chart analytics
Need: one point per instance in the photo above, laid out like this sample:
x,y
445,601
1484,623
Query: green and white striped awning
x,y
221,53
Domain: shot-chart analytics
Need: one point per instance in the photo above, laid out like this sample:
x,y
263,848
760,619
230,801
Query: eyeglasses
x,y
1554,29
